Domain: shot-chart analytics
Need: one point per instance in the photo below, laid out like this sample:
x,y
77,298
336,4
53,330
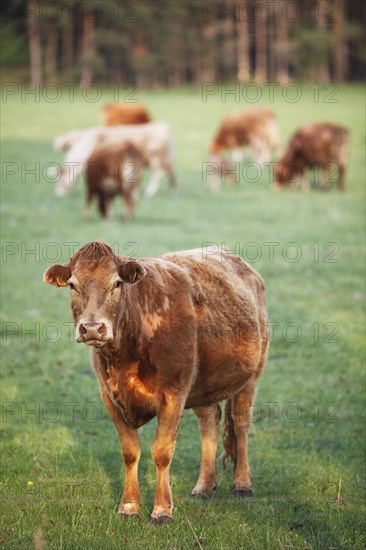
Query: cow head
x,y
287,173
291,167
98,281
280,176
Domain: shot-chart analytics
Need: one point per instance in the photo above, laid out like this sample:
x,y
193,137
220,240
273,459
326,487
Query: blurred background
x,y
175,43
62,473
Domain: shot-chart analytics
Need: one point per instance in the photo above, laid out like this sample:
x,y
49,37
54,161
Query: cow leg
x,y
131,451
226,173
209,424
242,415
237,155
213,182
105,206
130,197
87,207
325,182
108,207
173,187
169,168
260,151
169,417
305,186
341,171
264,155
153,185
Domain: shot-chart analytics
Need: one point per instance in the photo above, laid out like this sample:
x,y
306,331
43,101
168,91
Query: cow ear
x,y
131,272
57,275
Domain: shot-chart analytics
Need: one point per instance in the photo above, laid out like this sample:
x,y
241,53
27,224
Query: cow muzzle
x,y
94,333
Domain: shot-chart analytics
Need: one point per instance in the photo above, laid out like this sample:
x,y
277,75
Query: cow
x,y
124,113
323,145
185,330
113,114
153,140
112,171
256,128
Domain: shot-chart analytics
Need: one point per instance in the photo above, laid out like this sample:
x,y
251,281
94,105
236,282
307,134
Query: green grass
x,y
307,441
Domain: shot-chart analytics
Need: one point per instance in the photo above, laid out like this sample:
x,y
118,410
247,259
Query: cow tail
x,y
230,441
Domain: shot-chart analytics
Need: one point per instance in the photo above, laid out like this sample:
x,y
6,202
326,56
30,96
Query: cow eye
x,y
72,286
117,284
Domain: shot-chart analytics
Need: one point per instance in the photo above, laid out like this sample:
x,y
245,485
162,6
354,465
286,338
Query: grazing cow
x,y
324,145
111,171
153,140
124,113
185,330
256,128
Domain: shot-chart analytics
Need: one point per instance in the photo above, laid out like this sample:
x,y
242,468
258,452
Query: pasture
x,y
61,465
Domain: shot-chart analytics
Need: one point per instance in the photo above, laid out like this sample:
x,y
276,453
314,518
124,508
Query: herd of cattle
x,y
111,156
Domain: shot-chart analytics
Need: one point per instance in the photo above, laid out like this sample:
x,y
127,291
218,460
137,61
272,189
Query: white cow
x,y
153,140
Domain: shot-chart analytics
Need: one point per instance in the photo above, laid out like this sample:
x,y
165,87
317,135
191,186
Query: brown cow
x,y
185,330
256,128
324,145
110,171
124,113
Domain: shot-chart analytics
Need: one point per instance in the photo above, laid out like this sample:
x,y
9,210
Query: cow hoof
x,y
243,493
202,496
203,491
161,520
123,515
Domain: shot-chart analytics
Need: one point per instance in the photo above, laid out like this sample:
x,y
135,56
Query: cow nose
x,y
92,331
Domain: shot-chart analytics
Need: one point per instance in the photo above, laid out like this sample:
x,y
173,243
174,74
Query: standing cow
x,y
185,330
323,145
111,171
153,139
256,128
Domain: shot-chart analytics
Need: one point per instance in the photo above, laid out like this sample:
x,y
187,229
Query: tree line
x,y
171,43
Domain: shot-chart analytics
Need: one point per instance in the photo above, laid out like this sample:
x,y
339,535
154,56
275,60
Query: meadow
x,y
61,469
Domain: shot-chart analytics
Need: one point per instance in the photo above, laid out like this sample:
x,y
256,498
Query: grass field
x,y
61,465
